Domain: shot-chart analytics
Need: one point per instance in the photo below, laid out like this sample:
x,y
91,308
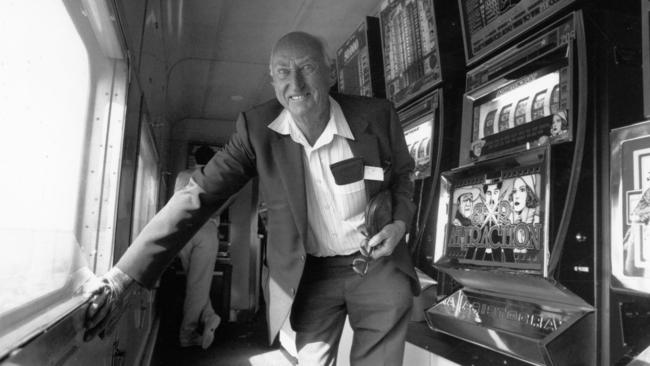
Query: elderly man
x,y
318,158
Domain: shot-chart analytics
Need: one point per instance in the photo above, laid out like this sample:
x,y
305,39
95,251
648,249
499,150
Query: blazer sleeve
x,y
210,190
402,166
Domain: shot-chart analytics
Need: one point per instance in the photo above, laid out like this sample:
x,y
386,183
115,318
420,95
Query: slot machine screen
x,y
359,62
418,140
410,49
498,222
488,24
533,110
418,122
630,187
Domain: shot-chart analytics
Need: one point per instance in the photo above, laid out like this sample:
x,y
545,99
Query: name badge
x,y
373,173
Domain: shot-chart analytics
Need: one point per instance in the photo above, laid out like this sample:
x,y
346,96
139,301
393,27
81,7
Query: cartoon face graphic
x,y
465,205
560,124
519,194
492,192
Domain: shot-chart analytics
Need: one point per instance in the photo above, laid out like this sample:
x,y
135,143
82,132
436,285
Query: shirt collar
x,y
337,124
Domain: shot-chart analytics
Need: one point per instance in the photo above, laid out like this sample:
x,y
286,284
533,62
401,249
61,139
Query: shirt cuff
x,y
119,281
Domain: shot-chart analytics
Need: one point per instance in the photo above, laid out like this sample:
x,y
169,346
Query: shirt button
x,y
293,291
302,258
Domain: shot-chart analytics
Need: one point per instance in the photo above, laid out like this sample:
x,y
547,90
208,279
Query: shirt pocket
x,y
350,188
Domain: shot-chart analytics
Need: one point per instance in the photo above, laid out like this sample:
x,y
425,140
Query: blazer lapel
x,y
288,158
364,145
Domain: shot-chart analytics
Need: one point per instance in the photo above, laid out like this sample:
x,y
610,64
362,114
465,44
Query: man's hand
x,y
385,241
108,297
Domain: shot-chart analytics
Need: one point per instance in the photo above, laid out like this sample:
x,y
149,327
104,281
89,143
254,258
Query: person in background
x,y
319,158
198,257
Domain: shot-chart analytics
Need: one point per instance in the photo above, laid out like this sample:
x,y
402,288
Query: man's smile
x,y
298,98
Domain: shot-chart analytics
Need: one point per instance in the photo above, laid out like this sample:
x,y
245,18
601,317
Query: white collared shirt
x,y
334,213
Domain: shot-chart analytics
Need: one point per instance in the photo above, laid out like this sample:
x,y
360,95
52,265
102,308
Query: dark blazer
x,y
255,150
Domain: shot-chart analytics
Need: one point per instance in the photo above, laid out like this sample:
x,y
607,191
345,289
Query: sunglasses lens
x,y
360,265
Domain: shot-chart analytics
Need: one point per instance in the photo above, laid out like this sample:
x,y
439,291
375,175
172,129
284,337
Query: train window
x,y
58,94
44,88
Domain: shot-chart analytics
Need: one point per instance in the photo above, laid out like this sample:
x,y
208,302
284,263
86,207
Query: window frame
x,y
105,121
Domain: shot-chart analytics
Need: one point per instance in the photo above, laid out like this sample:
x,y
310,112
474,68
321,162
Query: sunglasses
x,y
361,261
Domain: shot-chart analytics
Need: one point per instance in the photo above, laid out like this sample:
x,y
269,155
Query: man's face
x,y
301,78
492,196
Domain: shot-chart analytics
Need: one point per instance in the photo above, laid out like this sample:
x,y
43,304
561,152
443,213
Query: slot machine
x,y
358,61
626,295
423,74
629,254
518,221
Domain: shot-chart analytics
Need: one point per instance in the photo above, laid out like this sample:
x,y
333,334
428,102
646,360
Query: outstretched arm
x,y
171,228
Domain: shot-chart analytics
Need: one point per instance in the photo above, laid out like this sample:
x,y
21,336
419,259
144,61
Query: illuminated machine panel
x,y
420,124
630,211
522,98
489,24
492,238
496,217
410,49
359,63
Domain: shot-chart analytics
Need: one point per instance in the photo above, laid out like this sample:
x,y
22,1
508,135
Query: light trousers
x,y
198,258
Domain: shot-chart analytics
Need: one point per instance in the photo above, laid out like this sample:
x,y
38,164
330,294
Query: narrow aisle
x,y
235,343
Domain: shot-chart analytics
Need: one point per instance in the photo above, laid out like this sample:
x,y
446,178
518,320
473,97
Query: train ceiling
x,y
208,59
